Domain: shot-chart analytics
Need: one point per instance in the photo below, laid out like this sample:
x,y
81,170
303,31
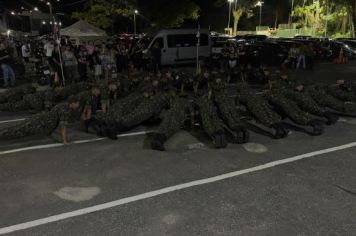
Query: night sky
x,y
210,16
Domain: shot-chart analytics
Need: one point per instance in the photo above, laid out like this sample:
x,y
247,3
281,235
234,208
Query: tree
x,y
168,13
102,13
351,9
239,8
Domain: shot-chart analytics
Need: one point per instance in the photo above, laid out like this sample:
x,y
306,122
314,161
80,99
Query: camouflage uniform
x,y
120,108
341,93
40,124
288,88
287,107
230,113
172,122
292,110
257,106
16,94
88,101
231,116
324,99
42,100
150,107
261,110
62,93
211,122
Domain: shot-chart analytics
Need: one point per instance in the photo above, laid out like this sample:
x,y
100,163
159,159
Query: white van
x,y
179,46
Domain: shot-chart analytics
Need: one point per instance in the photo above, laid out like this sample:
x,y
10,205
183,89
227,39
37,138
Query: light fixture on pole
x,y
291,13
135,13
230,2
35,8
260,4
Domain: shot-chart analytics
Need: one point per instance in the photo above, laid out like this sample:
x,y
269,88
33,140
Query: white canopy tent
x,y
83,31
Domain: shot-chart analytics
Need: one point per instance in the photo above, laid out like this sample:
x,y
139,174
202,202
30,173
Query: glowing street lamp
x,y
35,8
260,4
135,13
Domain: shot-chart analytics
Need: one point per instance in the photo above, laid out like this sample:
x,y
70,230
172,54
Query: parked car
x,y
179,46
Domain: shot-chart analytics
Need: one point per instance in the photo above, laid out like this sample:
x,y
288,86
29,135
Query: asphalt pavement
x,y
301,185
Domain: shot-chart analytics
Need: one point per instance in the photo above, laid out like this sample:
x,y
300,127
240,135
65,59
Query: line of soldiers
x,y
185,100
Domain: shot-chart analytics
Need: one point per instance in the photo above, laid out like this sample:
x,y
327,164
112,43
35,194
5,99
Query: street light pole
x,y
259,4
228,24
260,14
291,13
51,16
135,12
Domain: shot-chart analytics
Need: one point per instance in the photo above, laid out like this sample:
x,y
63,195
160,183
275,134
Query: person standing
x,y
70,63
301,56
49,48
5,61
26,51
156,57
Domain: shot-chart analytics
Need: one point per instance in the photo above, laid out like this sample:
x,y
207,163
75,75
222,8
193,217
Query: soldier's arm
x,y
63,122
64,134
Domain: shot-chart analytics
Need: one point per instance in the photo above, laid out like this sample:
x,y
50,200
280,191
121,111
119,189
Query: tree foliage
x,y
102,13
168,13
239,8
160,13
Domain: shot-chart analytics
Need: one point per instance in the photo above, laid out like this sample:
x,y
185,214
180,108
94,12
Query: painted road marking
x,y
123,201
54,145
11,121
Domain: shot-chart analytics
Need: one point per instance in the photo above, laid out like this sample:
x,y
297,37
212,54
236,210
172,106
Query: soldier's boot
x,y
280,131
331,117
219,139
158,142
112,131
318,128
95,125
243,136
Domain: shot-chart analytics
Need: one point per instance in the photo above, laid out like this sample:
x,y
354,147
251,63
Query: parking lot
x,y
301,185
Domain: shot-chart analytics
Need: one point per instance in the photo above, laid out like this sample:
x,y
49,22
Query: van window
x,y
159,41
204,40
186,40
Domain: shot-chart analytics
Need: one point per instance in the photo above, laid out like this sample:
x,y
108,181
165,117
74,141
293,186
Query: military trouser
x,y
305,102
262,112
14,106
172,122
229,113
40,124
29,102
144,111
326,100
289,108
341,94
174,119
211,122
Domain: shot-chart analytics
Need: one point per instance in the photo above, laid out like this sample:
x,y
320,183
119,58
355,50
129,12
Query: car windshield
x,y
145,41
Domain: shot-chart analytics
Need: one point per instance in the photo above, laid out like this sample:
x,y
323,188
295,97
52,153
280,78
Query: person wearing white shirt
x,y
49,48
26,52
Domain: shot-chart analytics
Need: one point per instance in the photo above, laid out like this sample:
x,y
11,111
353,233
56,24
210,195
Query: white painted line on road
x,y
108,205
11,121
54,145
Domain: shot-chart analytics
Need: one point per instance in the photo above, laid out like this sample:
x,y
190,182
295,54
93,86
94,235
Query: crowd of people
x,y
99,60
120,96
